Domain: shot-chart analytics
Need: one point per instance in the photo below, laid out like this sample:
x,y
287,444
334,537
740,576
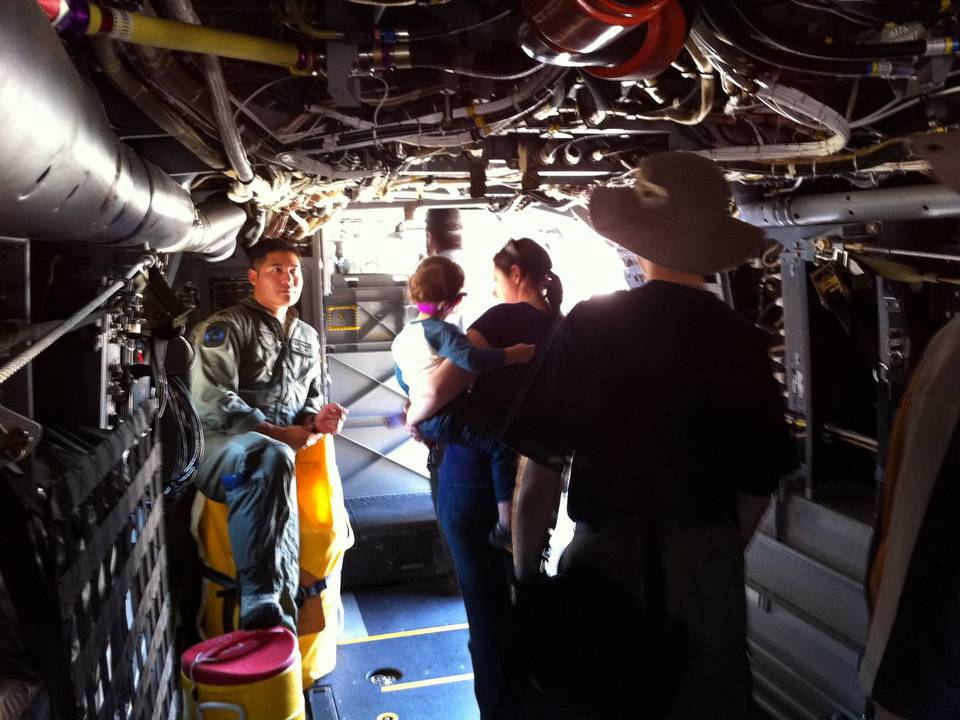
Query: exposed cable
x,y
898,106
376,113
722,15
457,31
242,107
184,11
482,75
189,444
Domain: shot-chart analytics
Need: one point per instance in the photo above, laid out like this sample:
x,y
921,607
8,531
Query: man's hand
x,y
330,419
296,436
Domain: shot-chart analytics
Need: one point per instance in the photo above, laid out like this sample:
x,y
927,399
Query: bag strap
x,y
530,376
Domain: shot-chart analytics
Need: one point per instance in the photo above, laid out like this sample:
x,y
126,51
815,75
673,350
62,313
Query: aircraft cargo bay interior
x,y
479,359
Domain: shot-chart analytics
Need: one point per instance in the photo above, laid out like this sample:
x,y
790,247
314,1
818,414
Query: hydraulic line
x,y
869,51
414,135
91,19
855,439
469,72
306,28
23,359
707,84
418,126
723,16
222,109
155,109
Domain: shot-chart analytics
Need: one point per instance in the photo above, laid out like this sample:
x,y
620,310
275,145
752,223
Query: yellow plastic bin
x,y
243,675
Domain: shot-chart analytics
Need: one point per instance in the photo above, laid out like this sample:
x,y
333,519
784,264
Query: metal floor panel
x,y
418,630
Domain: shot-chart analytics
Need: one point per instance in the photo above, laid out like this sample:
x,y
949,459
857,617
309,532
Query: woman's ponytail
x,y
553,291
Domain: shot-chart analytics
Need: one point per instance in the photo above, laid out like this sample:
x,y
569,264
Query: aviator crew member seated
x,y
257,385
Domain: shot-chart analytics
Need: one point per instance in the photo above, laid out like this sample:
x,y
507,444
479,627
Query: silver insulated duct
x,y
64,175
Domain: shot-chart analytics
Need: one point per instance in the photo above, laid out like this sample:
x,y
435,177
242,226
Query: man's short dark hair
x,y
445,227
259,252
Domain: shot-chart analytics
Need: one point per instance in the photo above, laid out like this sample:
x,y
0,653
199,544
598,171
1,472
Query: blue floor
x,y
416,633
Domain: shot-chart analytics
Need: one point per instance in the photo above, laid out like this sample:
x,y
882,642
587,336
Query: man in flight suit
x,y
257,385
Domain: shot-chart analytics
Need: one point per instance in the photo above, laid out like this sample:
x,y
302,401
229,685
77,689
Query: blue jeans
x,y
467,510
457,423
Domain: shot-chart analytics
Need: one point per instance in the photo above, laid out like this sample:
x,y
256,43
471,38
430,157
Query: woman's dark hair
x,y
535,264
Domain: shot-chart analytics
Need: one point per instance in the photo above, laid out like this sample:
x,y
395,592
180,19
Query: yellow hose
x,y
171,35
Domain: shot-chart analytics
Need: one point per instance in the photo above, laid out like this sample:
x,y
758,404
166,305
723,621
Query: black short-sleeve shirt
x,y
494,392
662,384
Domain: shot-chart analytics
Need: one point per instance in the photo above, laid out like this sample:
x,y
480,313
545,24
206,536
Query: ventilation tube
x,y
617,39
66,176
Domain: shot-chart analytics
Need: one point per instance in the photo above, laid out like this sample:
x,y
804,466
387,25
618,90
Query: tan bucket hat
x,y
677,215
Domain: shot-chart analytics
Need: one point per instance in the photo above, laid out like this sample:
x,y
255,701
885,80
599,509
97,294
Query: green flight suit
x,y
248,371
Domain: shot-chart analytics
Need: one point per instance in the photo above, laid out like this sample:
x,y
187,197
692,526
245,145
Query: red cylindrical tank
x,y
666,33
585,26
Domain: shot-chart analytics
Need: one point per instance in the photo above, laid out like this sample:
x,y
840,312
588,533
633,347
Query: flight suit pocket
x,y
301,360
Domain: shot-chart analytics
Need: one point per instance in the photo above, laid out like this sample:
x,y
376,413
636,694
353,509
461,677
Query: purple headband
x,y
434,308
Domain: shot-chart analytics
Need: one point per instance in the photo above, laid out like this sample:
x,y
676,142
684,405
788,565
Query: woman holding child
x,y
475,492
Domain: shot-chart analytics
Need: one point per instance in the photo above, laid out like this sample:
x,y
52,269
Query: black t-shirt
x,y
494,393
662,384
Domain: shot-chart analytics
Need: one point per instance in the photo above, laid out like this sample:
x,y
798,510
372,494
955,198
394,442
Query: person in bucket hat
x,y
664,397
677,216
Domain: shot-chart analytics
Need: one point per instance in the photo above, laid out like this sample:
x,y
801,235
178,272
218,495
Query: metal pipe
x,y
65,175
220,97
91,19
887,204
859,440
13,333
896,252
23,359
215,234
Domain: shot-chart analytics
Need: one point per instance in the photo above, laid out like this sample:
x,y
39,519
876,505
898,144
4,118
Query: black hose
x,y
833,53
408,129
498,61
725,18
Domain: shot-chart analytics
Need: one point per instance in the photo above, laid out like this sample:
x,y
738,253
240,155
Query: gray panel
x,y
783,694
821,668
830,598
828,536
373,459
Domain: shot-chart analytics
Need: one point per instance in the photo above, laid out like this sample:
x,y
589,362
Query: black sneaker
x,y
261,616
501,538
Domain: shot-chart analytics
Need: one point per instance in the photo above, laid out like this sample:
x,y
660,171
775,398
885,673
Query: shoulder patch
x,y
215,335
